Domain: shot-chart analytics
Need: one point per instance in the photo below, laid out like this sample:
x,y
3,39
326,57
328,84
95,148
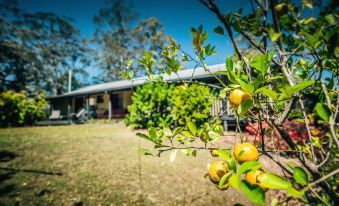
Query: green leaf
x,y
253,192
302,85
262,62
330,18
248,166
233,77
167,132
129,63
274,181
291,165
224,179
177,130
300,176
124,75
131,74
244,107
192,127
248,87
229,63
313,40
273,35
235,182
145,151
296,193
268,92
152,132
144,136
213,135
232,165
257,82
218,30
323,111
189,152
187,134
224,154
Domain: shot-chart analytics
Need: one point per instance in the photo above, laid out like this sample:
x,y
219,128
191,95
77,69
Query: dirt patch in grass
x,y
100,165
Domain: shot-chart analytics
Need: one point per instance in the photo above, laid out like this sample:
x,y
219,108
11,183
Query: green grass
x,y
100,165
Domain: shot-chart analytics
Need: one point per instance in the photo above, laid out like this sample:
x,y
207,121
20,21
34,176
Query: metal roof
x,y
186,74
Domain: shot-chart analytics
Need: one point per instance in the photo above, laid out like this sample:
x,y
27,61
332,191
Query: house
x,y
110,100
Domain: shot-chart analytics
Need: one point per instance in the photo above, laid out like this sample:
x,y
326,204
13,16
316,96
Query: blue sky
x,y
177,16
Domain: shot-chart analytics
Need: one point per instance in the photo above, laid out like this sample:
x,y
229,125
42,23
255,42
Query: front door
x,y
79,104
117,105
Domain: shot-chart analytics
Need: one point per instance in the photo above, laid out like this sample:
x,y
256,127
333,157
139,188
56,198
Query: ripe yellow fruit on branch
x,y
238,96
252,178
248,152
217,170
214,153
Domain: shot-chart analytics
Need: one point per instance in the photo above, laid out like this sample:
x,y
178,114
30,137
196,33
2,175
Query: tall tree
x,y
38,49
119,39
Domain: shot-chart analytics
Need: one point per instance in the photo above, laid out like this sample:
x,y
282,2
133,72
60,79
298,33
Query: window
x,y
100,99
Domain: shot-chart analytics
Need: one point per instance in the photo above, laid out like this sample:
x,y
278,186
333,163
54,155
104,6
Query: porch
x,y
103,105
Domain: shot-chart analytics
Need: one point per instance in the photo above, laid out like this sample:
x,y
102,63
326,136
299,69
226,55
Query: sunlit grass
x,y
99,164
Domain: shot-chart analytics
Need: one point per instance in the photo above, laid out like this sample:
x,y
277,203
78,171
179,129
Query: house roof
x,y
186,74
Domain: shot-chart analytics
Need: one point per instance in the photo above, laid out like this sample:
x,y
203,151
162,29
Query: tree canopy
x,y
38,49
121,38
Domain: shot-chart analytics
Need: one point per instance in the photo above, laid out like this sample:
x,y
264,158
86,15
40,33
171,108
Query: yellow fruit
x,y
214,153
251,177
248,150
238,96
217,170
281,9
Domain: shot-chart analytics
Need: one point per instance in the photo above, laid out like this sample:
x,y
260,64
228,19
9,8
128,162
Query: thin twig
x,y
287,111
308,129
168,148
323,178
211,73
331,119
211,6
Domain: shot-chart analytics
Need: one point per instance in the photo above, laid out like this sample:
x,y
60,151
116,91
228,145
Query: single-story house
x,y
110,100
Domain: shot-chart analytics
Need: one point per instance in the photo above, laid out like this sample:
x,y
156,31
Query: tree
x,y
295,64
119,39
38,49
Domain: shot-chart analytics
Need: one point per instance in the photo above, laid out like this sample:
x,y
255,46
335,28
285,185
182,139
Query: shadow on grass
x,y
7,173
6,156
31,171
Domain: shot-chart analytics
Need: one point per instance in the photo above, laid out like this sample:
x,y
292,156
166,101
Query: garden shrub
x,y
151,106
192,103
159,104
17,109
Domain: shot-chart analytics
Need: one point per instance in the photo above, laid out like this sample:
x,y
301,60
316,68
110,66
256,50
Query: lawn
x,y
99,165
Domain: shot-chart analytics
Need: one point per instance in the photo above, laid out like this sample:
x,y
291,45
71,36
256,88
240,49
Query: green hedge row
x,y
159,104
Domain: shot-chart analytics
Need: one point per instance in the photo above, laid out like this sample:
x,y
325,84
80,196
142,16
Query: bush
x,y
192,103
162,104
151,106
17,109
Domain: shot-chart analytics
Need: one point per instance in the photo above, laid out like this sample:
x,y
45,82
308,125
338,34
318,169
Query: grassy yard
x,y
99,165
